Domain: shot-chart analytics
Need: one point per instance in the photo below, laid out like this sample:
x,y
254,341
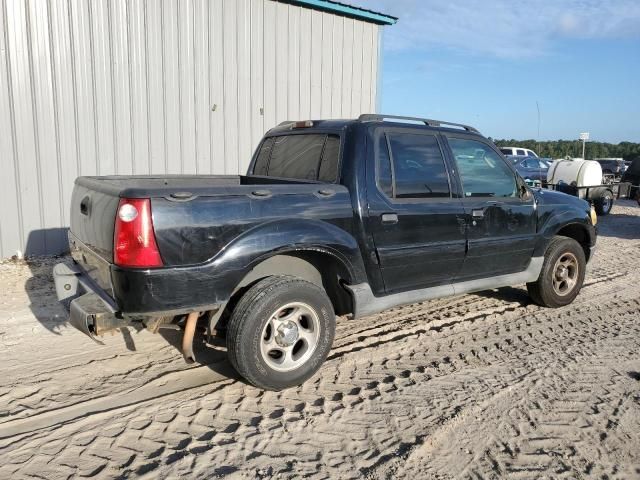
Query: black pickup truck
x,y
334,218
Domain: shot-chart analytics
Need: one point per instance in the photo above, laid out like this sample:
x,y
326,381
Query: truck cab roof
x,y
369,118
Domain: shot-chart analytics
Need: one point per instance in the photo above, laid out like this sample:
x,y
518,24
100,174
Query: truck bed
x,y
195,217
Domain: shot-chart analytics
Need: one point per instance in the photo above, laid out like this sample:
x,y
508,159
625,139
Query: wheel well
x,y
319,268
579,234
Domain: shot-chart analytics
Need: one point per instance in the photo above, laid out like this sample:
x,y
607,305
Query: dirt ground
x,y
477,386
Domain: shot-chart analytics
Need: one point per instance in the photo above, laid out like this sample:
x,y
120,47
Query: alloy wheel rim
x,y
290,336
565,274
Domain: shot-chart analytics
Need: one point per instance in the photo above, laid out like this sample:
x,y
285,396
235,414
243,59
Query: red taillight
x,y
134,239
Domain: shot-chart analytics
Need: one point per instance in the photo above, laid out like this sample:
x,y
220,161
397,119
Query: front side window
x,y
419,170
300,157
482,170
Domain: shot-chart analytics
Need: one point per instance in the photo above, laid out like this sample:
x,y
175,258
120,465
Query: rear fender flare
x,y
288,237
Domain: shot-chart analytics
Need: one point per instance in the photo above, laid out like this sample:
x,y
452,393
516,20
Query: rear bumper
x,y
91,310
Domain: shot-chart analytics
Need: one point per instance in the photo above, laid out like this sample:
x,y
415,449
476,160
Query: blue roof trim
x,y
341,8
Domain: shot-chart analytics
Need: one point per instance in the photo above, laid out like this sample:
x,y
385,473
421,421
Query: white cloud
x,y
504,28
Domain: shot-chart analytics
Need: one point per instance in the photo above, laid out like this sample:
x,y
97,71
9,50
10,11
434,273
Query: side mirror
x,y
525,193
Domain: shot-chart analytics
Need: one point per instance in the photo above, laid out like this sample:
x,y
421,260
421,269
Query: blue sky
x,y
487,63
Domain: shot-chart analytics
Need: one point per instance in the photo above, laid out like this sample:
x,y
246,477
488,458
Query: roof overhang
x,y
346,10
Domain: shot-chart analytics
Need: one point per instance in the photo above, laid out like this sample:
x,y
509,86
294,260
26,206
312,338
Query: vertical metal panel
x,y
257,72
202,80
186,87
326,62
347,66
216,91
24,127
305,52
337,67
292,50
84,100
139,106
120,84
230,77
243,105
155,87
367,51
171,71
316,64
356,80
269,63
11,237
282,58
89,87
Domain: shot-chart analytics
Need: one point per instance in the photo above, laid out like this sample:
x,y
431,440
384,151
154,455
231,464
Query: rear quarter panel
x,y
194,232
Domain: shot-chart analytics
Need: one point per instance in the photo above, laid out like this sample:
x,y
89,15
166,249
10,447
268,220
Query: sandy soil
x,y
478,386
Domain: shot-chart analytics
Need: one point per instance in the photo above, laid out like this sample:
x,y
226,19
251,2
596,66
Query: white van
x,y
518,151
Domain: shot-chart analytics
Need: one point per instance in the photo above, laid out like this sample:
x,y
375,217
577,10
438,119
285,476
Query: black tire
x,y
248,324
543,292
604,204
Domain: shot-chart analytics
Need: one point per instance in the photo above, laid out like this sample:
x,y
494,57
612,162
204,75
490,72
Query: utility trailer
x,y
600,196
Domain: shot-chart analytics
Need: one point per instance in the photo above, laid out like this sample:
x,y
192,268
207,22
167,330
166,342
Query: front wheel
x,y
562,274
280,332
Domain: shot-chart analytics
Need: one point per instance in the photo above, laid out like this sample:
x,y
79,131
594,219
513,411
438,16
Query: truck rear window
x,y
301,157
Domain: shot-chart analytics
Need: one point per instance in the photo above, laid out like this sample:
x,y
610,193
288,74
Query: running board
x,y
366,303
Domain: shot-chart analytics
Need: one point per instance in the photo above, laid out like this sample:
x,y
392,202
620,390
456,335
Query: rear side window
x,y
301,157
418,166
262,162
383,167
330,158
506,151
520,152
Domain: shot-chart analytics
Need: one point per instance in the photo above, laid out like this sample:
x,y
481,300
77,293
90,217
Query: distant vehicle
x,y
518,151
532,169
612,168
632,176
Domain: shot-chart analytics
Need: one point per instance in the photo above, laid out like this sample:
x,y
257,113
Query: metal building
x,y
101,87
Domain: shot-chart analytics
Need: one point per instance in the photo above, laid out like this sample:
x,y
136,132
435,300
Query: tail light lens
x,y
134,239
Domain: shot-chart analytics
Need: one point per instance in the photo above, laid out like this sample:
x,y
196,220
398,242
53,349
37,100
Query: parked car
x,y
612,168
518,151
532,169
632,176
333,218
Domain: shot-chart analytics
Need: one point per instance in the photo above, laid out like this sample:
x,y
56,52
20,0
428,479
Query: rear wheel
x,y
604,204
280,332
562,274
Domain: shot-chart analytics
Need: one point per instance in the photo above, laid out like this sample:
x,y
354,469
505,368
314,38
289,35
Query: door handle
x,y
389,218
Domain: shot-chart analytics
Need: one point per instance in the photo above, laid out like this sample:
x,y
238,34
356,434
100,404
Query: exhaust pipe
x,y
187,338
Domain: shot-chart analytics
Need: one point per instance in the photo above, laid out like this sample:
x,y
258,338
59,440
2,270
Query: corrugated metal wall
x,y
158,86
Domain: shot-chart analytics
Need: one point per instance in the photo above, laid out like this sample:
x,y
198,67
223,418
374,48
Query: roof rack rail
x,y
376,117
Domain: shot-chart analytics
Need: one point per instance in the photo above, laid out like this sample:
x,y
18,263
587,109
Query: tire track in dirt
x,y
481,386
417,374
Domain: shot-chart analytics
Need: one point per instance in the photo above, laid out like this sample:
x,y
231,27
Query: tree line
x,y
573,148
